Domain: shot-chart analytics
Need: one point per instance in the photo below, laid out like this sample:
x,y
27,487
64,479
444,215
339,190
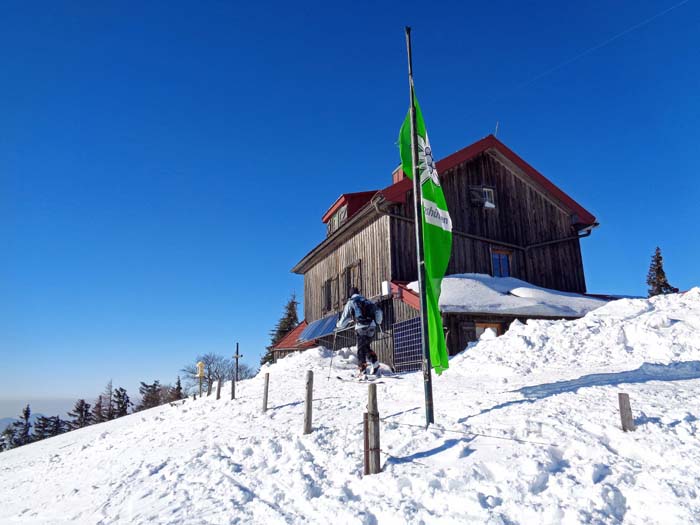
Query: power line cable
x,y
590,50
602,44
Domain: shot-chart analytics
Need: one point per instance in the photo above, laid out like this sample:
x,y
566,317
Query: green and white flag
x,y
437,230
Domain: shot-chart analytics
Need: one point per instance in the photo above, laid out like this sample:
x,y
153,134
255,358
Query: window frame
x,y
481,196
352,276
327,295
489,190
484,325
509,257
335,292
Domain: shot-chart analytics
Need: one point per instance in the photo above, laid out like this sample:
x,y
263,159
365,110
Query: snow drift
x,y
527,431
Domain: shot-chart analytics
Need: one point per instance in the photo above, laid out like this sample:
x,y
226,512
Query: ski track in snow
x,y
528,431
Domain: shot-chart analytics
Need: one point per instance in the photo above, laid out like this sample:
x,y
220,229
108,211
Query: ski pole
x,y
330,368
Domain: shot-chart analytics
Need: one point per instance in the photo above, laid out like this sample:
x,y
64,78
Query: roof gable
x,y
491,142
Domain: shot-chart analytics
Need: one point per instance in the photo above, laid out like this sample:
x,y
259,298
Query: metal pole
x,y
417,207
330,368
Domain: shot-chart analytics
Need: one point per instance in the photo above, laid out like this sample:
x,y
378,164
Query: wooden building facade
x,y
508,220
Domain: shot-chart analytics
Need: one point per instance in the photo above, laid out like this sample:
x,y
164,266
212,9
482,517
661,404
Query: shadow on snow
x,y
647,372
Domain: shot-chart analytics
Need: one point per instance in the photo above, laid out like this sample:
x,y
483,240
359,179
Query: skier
x,y
367,316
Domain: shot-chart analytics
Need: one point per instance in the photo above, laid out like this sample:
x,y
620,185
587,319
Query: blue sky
x,y
164,165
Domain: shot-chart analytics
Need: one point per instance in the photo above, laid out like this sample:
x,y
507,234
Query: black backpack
x,y
364,310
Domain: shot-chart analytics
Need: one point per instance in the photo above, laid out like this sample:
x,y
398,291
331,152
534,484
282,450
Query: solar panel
x,y
319,328
407,347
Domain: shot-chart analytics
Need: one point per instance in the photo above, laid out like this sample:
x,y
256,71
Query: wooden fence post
x,y
365,435
200,386
218,389
373,430
267,383
626,412
309,401
233,387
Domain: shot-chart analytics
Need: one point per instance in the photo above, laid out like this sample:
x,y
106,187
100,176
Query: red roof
x,y
397,191
355,201
406,295
291,340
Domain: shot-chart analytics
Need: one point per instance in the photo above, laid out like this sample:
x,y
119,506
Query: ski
x,y
360,380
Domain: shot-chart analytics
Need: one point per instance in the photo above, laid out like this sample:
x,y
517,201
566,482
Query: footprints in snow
x,y
556,465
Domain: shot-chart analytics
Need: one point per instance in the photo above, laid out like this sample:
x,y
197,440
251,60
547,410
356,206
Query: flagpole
x,y
417,207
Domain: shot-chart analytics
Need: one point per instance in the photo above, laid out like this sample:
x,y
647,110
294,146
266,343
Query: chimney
x,y
397,175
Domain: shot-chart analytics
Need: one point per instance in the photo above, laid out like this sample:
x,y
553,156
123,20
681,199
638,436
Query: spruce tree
x,y
81,415
121,402
286,324
98,411
177,391
23,428
56,426
150,395
7,438
656,278
41,428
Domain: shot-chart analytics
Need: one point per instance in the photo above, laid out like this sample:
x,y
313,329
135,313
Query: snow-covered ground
x,y
527,431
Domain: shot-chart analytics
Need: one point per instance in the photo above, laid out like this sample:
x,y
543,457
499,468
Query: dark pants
x,y
364,351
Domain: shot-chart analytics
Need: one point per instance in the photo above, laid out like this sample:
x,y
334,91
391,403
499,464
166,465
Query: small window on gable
x,y
337,220
482,197
500,263
489,198
342,214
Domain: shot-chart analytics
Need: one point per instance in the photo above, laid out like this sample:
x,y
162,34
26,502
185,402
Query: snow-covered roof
x,y
479,293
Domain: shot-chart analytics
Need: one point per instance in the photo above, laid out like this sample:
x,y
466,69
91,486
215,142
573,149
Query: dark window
x,y
476,196
352,276
335,296
327,298
500,262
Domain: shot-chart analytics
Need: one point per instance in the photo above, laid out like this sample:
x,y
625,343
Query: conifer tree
x,y
150,395
177,391
98,411
41,428
121,402
108,411
656,278
81,415
23,428
286,324
57,426
7,438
